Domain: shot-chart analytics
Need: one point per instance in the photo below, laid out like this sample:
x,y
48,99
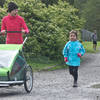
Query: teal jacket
x,y
71,49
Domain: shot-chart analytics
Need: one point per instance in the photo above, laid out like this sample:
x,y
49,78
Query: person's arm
x,y
3,27
96,37
65,53
92,36
82,50
24,27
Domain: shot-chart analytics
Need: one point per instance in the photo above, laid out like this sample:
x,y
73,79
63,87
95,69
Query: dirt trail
x,y
57,85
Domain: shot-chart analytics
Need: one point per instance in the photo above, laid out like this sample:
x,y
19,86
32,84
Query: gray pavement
x,y
57,85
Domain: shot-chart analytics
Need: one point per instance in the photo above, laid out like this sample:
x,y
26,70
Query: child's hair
x,y
74,32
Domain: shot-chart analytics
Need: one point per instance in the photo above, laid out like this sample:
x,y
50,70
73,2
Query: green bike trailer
x,y
13,67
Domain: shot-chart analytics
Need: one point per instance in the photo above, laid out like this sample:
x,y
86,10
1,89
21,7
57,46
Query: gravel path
x,y
57,85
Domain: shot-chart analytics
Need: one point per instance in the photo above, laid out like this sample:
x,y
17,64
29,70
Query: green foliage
x,y
71,2
49,27
2,2
2,14
49,2
89,10
89,47
92,15
79,4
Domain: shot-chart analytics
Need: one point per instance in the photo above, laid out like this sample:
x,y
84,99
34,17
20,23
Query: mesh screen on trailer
x,y
7,57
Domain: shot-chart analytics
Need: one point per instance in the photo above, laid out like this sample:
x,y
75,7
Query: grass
x,y
89,47
96,86
44,63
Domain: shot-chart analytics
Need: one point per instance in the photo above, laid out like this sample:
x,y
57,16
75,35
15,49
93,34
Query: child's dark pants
x,y
73,70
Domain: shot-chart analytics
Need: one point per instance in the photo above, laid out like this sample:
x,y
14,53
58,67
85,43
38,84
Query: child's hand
x,y
65,58
79,54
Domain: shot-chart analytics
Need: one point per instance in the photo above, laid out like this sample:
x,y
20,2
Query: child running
x,y
72,52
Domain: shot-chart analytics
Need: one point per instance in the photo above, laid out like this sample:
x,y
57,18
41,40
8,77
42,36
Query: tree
x,y
71,2
2,2
79,4
92,15
49,2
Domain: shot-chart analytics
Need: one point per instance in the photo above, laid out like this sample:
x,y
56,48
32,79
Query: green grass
x,y
96,86
89,47
44,63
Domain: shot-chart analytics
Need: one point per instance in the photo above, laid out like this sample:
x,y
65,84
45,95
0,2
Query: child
x,y
72,52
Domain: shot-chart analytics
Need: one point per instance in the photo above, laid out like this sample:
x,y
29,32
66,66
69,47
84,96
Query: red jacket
x,y
14,23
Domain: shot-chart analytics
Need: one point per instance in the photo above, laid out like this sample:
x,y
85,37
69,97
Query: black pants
x,y
95,42
73,70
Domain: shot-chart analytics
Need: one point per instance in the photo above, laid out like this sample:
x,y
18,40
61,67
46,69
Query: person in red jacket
x,y
14,25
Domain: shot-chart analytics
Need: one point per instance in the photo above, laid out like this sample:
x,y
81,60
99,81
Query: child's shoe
x,y
75,84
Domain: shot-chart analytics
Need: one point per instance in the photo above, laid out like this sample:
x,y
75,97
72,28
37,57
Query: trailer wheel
x,y
28,79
